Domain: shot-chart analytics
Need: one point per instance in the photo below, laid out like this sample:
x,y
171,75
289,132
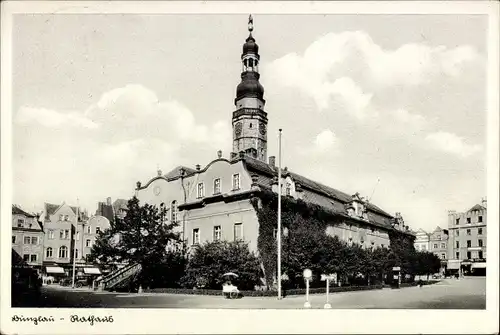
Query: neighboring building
x,y
27,237
421,240
213,203
89,232
59,227
120,207
438,245
467,239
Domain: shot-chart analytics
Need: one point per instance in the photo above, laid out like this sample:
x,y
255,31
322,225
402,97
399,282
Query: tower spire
x,y
249,118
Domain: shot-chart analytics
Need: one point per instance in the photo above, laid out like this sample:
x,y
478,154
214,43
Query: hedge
x,y
290,292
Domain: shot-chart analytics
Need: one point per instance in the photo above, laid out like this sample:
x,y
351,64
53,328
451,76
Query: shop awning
x,y
479,265
92,271
54,269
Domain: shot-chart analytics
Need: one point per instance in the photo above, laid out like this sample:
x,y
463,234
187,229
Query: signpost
x,y
327,279
307,276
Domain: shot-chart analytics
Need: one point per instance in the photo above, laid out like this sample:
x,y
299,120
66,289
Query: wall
x,y
463,237
29,228
356,233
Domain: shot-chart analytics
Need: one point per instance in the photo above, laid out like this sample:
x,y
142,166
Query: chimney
x,y
272,161
219,154
108,201
198,167
483,202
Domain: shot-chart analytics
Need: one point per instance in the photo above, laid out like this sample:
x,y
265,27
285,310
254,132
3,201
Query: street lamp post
x,y
74,244
279,216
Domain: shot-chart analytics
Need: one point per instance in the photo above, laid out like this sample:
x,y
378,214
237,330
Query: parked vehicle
x,y
25,283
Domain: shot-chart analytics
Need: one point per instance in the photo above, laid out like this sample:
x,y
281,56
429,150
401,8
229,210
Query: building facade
x,y
214,202
27,237
467,239
421,240
438,243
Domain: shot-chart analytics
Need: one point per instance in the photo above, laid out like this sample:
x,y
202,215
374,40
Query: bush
x,y
211,260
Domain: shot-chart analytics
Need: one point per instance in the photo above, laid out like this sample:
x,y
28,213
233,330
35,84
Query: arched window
x,y
63,252
48,253
173,211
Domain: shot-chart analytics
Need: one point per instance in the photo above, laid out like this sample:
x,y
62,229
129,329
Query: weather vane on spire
x,y
250,23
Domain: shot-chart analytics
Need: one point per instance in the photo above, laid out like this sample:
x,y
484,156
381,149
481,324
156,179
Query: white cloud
x,y
451,143
321,71
325,140
53,119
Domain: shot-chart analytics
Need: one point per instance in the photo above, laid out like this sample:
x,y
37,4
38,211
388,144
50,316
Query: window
x,y
469,244
217,233
61,234
238,232
13,239
63,252
468,231
435,246
196,236
457,255
236,181
217,186
33,258
480,231
26,258
288,189
66,217
480,243
61,217
77,237
480,254
480,218
48,253
443,256
469,256
382,245
87,243
200,191
424,247
443,245
468,220
20,223
89,230
457,243
34,240
66,234
76,253
173,211
457,233
27,240
50,234
457,221
97,230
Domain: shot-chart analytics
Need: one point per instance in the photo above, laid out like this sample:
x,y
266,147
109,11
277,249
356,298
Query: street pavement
x,y
465,293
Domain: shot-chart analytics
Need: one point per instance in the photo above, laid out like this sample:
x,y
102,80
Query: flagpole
x,y
279,216
74,244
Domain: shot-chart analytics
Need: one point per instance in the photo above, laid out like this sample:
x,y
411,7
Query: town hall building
x,y
213,202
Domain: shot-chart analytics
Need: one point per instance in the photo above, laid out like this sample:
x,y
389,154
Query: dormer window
x,y
236,181
288,189
217,186
200,190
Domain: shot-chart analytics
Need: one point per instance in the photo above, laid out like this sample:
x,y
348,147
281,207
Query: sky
x,y
390,106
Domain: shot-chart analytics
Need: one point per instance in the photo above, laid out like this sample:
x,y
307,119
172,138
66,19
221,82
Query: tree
x,y
209,261
143,236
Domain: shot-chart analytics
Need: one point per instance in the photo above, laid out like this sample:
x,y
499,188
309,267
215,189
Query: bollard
x,y
327,305
307,304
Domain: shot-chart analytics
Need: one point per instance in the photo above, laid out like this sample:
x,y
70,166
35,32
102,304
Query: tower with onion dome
x,y
249,118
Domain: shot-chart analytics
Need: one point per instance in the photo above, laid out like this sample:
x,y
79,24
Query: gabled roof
x,y
477,207
19,211
314,192
176,172
438,229
50,209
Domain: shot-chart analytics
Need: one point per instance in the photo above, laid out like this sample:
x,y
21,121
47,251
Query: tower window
x,y
250,125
